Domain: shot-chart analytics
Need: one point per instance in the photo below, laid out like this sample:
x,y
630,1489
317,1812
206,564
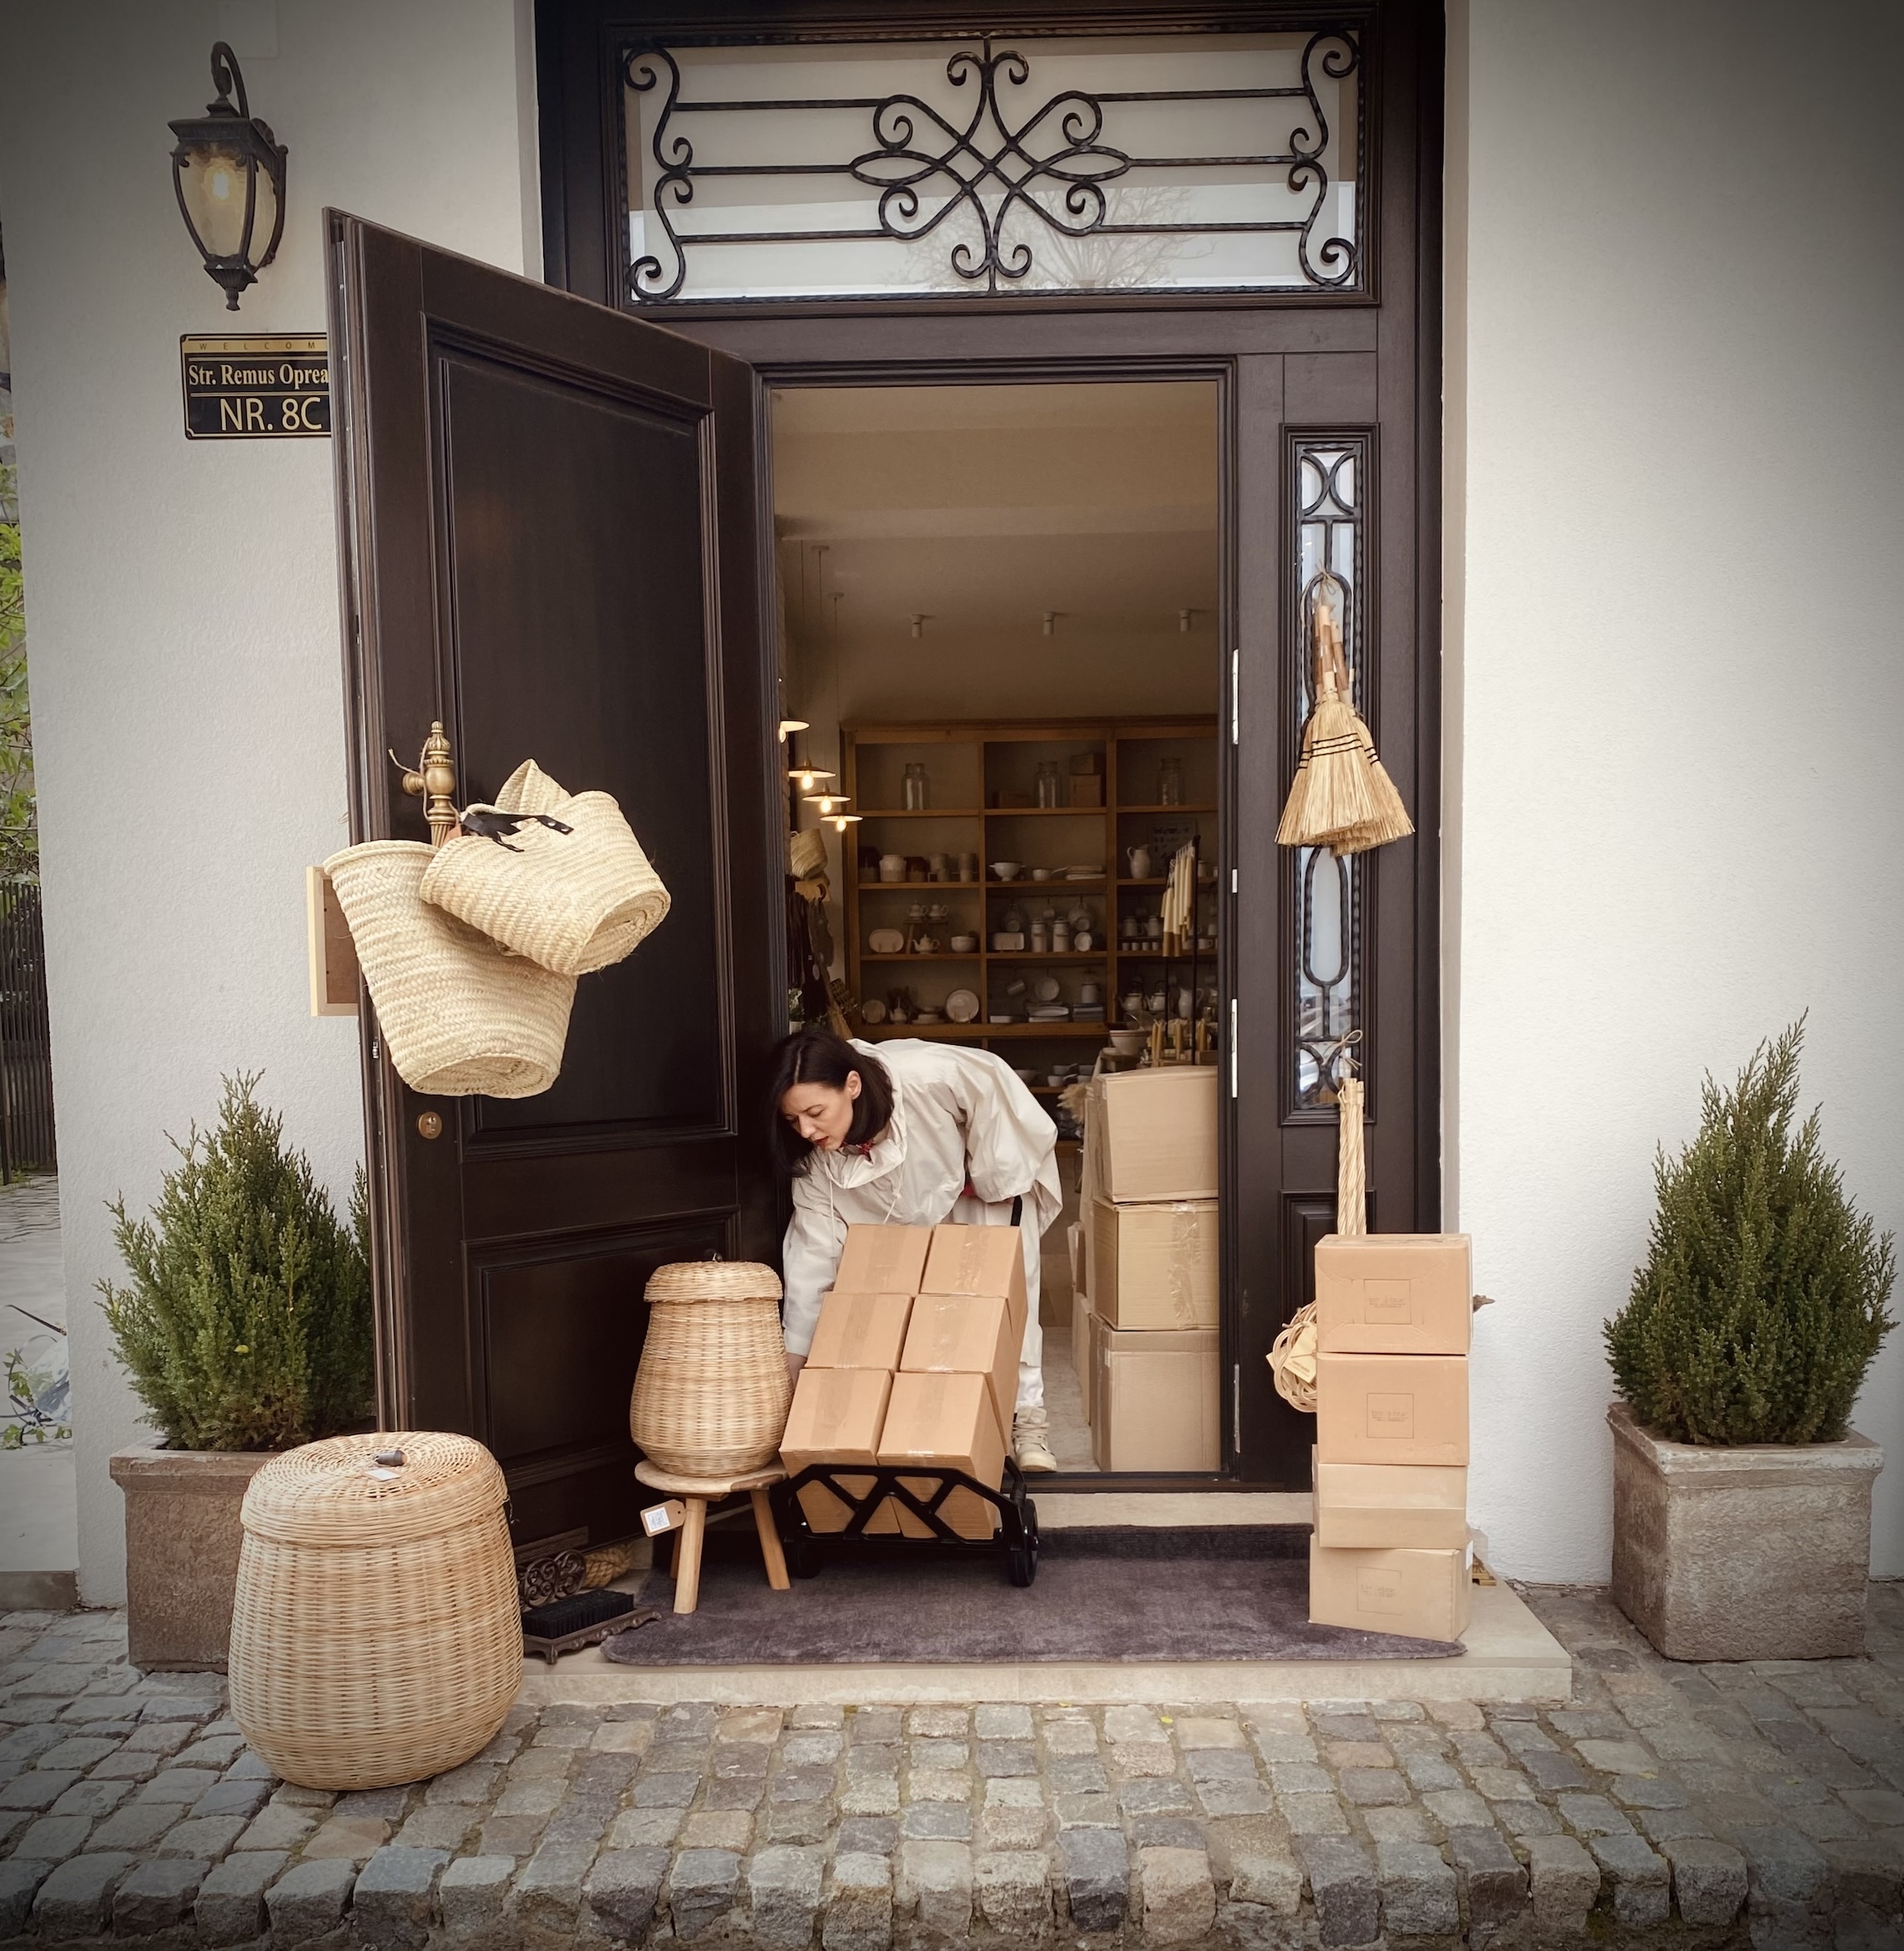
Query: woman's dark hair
x,y
816,1055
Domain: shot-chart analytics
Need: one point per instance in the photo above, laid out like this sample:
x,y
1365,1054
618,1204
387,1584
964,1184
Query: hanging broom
x,y
1341,796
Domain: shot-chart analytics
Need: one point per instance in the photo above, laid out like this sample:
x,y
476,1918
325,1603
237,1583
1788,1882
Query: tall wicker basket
x,y
711,1394
377,1635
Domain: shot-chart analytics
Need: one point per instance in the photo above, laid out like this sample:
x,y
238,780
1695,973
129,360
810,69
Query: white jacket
x,y
958,1115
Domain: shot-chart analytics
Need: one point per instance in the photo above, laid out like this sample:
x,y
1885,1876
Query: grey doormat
x,y
1237,1592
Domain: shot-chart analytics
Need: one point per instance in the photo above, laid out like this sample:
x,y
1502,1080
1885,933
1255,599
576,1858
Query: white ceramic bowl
x,y
1007,870
1127,1042
963,944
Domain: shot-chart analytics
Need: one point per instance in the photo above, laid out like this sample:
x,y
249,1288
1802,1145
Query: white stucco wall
x,y
182,597
1676,686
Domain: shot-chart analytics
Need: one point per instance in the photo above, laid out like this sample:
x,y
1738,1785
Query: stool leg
x,y
688,1556
769,1540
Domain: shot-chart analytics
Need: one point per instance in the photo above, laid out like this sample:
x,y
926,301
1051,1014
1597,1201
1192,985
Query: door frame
x,y
1396,318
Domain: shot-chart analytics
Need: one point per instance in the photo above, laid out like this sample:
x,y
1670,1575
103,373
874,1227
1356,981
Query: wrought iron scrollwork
x,y
930,168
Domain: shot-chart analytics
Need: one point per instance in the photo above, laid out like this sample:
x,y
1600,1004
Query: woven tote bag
x,y
710,1396
376,1633
573,901
462,1017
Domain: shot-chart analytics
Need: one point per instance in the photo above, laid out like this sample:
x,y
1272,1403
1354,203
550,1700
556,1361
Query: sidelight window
x,y
1016,164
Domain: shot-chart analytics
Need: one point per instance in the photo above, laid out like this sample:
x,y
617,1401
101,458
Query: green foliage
x,y
19,831
1762,1301
246,1325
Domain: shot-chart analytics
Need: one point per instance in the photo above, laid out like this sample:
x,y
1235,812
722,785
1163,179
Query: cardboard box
x,y
966,1335
1152,1135
1392,1409
1394,1293
1426,1595
883,1259
836,1418
860,1330
1074,1247
1384,1507
977,1260
1156,1399
946,1421
1154,1266
1082,1358
1085,764
1087,790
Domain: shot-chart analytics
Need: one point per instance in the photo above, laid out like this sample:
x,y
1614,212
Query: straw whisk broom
x,y
1342,797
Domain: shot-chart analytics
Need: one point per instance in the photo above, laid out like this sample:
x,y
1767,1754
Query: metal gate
x,y
26,1042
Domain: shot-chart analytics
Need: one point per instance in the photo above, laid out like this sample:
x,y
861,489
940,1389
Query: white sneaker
x,y
1028,1443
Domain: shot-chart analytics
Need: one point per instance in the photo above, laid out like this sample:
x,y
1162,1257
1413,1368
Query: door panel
x,y
547,527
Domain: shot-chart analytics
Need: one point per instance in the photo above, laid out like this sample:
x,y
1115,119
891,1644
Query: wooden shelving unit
x,y
969,764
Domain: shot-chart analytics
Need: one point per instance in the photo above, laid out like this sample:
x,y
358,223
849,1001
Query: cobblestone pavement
x,y
1695,1806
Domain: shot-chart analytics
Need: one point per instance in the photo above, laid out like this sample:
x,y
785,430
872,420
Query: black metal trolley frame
x,y
1016,1538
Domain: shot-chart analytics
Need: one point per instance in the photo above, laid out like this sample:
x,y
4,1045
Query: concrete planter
x,y
1757,1553
182,1537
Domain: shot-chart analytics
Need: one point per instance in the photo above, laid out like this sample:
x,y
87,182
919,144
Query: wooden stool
x,y
696,1492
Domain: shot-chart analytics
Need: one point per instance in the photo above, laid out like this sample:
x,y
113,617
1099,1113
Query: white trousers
x,y
969,1211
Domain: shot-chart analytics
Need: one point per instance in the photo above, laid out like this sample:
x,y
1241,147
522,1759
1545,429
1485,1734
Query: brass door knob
x,y
430,1124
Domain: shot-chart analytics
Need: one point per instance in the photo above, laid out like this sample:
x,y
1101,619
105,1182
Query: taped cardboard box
x,y
883,1259
1394,1293
860,1330
1154,1266
966,1334
836,1417
977,1260
946,1421
1392,1409
1081,1355
1155,1404
1386,1506
1425,1595
1150,1134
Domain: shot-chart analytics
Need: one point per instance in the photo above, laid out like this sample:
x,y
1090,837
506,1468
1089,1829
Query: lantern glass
x,y
218,180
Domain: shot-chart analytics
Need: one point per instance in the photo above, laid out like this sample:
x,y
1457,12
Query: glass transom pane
x,y
932,168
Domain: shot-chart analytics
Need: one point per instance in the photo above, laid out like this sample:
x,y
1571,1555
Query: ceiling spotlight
x,y
1184,618
919,624
1051,623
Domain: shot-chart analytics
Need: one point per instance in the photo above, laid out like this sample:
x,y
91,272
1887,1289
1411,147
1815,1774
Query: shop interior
x,y
1000,673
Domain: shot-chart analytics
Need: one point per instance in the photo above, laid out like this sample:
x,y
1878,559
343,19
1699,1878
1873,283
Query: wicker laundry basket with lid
x,y
377,1636
711,1394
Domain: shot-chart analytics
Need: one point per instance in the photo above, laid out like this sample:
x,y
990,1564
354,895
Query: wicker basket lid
x,y
353,1490
713,1280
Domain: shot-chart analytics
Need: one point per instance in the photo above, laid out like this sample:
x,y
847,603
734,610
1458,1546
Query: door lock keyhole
x,y
430,1124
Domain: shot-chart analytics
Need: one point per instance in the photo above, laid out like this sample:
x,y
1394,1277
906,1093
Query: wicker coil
x,y
571,901
462,1017
1292,1360
376,1635
711,1394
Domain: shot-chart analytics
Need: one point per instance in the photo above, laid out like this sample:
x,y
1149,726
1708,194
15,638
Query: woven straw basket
x,y
572,901
377,1636
1292,1360
711,1394
462,1015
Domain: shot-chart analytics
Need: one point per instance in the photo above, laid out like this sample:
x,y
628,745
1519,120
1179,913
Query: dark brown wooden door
x,y
548,536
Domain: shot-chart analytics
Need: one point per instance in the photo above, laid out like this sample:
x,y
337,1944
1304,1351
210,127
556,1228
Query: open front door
x,y
548,525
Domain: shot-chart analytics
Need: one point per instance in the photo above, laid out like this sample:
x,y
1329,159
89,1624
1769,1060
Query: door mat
x,y
1134,1593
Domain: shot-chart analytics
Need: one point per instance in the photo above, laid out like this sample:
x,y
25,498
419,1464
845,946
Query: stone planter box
x,y
1760,1552
182,1538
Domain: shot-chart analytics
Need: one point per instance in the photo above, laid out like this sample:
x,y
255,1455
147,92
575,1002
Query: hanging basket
x,y
1292,1360
574,896
711,1394
461,1016
376,1633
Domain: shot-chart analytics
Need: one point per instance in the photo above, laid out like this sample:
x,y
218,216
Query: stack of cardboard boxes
x,y
914,1360
1390,1552
1144,1319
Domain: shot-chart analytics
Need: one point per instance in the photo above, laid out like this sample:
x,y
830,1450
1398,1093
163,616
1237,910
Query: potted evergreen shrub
x,y
1741,1494
245,1328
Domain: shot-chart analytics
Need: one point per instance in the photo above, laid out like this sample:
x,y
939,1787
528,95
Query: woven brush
x,y
576,1615
1341,796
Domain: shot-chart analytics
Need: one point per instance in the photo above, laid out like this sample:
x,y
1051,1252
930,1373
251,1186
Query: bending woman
x,y
919,1134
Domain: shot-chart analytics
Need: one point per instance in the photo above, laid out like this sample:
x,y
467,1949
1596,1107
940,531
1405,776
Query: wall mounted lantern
x,y
228,171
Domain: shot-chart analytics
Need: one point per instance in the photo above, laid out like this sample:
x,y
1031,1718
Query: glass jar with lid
x,y
914,786
1049,783
1170,782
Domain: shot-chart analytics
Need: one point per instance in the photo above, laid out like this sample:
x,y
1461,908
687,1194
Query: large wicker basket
x,y
377,1637
711,1394
572,900
463,1016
